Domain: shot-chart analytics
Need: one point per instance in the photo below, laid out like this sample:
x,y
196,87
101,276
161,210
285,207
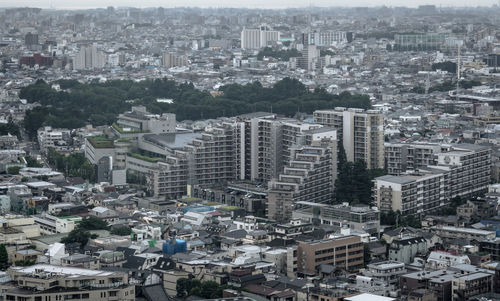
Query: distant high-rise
x,y
89,58
31,39
310,59
170,60
259,37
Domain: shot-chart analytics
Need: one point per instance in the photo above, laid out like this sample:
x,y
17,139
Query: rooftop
x,y
100,142
46,268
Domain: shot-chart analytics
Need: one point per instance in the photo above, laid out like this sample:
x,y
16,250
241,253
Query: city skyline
x,y
277,4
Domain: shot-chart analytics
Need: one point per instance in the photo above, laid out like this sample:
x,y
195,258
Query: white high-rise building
x,y
361,132
89,58
257,38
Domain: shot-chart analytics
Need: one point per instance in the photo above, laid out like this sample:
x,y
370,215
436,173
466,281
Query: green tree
x,y
32,162
121,231
14,170
181,287
77,235
93,223
209,289
4,258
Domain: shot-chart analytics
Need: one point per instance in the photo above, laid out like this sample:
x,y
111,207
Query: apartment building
x,y
406,157
466,286
413,194
361,133
212,156
326,38
463,170
59,139
89,57
406,249
345,253
468,167
170,60
263,141
256,38
463,233
387,272
49,282
309,176
362,218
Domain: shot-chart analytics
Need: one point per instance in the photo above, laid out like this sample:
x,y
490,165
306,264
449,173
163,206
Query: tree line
x,y
99,103
72,165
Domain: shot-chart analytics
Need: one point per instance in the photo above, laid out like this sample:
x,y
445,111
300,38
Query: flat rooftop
x,y
70,271
172,140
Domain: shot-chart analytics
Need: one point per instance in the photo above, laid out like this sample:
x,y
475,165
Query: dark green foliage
x,y
78,235
366,254
282,55
451,67
389,218
451,209
9,128
13,170
326,52
32,162
81,234
354,180
447,86
100,103
4,258
73,165
121,231
395,218
25,263
194,287
93,223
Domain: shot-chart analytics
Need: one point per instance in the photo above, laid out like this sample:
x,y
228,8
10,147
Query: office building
x,y
361,133
139,120
89,57
259,37
49,282
345,253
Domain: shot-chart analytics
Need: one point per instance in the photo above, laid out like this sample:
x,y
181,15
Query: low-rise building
x,y
49,282
345,252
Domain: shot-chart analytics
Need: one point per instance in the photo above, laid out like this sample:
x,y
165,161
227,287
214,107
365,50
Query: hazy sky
x,y
80,4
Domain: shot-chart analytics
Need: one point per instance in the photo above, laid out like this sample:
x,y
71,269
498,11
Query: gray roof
x,y
172,140
396,179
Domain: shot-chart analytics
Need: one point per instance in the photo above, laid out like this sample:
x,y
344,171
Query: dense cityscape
x,y
295,154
